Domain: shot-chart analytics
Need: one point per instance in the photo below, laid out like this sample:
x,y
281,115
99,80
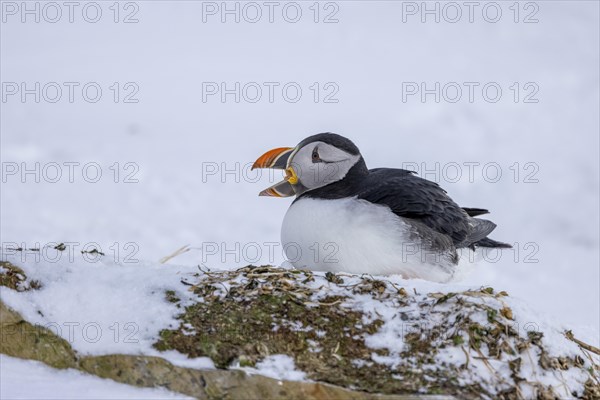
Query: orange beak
x,y
276,158
281,189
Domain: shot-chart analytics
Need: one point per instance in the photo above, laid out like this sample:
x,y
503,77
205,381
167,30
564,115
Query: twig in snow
x,y
177,252
588,347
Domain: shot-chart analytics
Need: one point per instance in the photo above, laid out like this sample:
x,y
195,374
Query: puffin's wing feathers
x,y
412,197
473,212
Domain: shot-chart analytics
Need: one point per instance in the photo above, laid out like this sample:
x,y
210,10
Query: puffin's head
x,y
317,161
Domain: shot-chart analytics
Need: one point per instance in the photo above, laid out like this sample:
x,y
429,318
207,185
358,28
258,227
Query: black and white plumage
x,y
381,221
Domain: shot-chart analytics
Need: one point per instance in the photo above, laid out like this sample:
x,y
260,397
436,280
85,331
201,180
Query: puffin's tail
x,y
486,227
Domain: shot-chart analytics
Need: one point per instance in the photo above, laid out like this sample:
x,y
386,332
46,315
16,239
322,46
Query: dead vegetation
x,y
243,316
14,278
320,320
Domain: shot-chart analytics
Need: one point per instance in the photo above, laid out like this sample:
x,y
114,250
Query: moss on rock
x,y
30,342
243,316
214,384
21,339
327,323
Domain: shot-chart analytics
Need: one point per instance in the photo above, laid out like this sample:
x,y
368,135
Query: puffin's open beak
x,y
277,159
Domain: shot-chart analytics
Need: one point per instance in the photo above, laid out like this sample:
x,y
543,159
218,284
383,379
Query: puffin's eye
x,y
315,155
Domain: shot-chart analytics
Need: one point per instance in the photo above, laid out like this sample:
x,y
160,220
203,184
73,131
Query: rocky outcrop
x,y
21,339
354,337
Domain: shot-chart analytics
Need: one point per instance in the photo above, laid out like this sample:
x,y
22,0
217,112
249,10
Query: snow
x,y
104,307
278,366
27,379
191,158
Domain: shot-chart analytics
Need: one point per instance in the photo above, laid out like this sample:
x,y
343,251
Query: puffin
x,y
382,221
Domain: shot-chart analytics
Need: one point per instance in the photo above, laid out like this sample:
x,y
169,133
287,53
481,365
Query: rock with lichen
x,y
373,335
355,336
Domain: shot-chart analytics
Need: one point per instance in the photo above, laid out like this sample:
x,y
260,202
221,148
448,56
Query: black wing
x,y
412,197
473,212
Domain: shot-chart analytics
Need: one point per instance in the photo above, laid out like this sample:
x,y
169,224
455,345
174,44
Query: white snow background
x,y
174,139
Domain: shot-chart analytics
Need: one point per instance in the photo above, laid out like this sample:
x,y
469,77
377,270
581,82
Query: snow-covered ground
x,y
175,164
105,308
278,366
109,308
26,379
